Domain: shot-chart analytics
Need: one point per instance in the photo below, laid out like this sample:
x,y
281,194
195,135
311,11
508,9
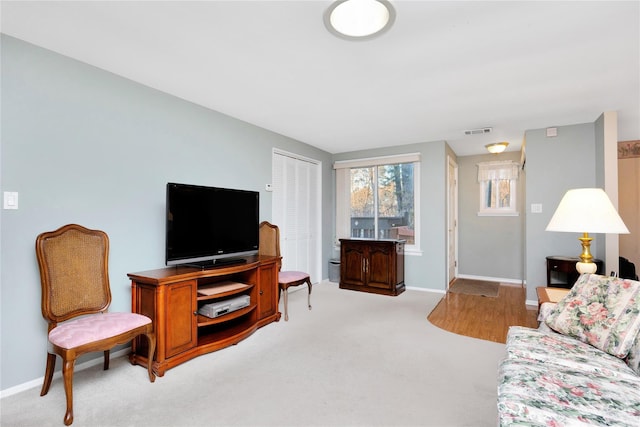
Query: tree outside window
x,y
382,202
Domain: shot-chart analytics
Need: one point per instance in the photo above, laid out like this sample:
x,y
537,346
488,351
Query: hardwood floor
x,y
484,317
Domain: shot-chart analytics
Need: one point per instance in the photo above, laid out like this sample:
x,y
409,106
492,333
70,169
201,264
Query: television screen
x,y
206,225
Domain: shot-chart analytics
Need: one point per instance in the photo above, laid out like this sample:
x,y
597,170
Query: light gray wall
x,y
428,270
489,246
554,165
82,145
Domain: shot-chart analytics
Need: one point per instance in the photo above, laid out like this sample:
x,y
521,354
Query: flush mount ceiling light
x,y
497,147
359,19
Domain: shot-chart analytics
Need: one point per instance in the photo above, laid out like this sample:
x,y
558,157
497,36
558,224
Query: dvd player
x,y
217,309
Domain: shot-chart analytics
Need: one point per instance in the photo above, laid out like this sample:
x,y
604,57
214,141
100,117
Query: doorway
x,y
452,220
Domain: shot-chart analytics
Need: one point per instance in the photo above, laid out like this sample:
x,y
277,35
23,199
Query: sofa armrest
x,y
545,309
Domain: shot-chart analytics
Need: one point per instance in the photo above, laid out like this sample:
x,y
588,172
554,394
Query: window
x,y
377,198
498,188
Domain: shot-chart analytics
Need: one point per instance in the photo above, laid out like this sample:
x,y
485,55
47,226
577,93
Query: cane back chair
x,y
74,276
270,245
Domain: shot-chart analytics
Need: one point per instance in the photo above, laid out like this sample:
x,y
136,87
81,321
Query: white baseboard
x,y
58,374
491,279
437,291
532,303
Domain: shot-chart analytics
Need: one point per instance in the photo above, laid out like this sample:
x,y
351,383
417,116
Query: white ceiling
x,y
444,66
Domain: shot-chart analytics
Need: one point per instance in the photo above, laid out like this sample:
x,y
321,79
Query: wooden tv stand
x,y
171,298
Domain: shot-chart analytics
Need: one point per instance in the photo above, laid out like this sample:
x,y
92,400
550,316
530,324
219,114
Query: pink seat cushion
x,y
96,327
291,276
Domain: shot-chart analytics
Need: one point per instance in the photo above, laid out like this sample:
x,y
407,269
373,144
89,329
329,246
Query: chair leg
x,y
48,373
106,360
67,374
286,311
309,296
151,343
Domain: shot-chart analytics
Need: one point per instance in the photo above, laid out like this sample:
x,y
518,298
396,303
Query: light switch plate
x,y
536,207
10,200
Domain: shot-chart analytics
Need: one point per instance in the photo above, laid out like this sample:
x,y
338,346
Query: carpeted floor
x,y
356,359
475,287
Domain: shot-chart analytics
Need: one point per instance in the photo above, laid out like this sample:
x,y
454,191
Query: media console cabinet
x,y
172,296
375,266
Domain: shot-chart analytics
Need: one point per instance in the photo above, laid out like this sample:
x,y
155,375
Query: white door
x,y
452,220
296,211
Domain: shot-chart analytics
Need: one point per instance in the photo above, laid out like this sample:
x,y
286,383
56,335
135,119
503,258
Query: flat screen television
x,y
207,226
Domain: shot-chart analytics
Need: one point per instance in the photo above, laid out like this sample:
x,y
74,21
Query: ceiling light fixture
x,y
497,147
359,19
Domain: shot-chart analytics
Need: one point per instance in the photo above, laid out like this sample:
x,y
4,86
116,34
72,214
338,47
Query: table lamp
x,y
585,210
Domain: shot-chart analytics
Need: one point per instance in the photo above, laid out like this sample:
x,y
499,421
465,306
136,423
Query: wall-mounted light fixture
x,y
496,147
359,19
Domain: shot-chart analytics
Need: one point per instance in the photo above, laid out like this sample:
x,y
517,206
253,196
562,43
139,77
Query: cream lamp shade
x,y
586,210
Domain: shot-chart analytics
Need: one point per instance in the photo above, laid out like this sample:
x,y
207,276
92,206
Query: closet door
x,y
296,211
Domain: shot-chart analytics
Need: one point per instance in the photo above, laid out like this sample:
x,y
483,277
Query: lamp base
x,y
586,267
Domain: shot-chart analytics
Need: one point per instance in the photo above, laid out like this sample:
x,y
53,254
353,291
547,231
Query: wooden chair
x,y
270,246
73,263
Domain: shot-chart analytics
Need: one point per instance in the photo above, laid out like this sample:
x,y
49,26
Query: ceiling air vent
x,y
480,131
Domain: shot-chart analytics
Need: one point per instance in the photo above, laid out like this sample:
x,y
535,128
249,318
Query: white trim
x,y
497,213
295,156
491,279
433,291
377,161
531,303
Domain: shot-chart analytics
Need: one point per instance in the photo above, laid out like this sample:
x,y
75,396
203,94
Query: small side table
x,y
546,294
565,268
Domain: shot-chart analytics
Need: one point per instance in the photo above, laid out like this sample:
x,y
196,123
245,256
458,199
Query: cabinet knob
x,y
195,313
261,292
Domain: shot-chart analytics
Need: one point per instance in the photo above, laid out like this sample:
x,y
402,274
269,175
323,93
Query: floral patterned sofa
x,y
581,367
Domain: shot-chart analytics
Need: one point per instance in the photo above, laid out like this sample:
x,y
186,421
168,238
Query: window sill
x,y
498,214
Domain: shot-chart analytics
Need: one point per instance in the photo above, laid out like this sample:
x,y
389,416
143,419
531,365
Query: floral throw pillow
x,y
601,311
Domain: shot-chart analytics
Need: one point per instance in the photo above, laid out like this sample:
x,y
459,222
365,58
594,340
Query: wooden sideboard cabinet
x,y
375,266
172,296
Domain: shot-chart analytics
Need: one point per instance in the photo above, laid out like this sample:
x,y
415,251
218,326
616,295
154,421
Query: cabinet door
x,y
352,264
267,290
379,266
181,321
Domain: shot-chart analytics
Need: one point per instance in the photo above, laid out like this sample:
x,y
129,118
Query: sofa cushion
x,y
538,394
601,311
553,349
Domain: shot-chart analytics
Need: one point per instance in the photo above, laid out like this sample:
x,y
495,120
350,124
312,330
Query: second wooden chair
x,y
270,246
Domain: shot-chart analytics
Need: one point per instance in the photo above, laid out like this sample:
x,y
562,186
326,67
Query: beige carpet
x,y
475,287
354,360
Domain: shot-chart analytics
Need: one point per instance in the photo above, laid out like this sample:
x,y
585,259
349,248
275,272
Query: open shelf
x,y
206,321
221,290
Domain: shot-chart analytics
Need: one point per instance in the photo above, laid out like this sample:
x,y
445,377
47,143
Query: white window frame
x,y
497,171
343,194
